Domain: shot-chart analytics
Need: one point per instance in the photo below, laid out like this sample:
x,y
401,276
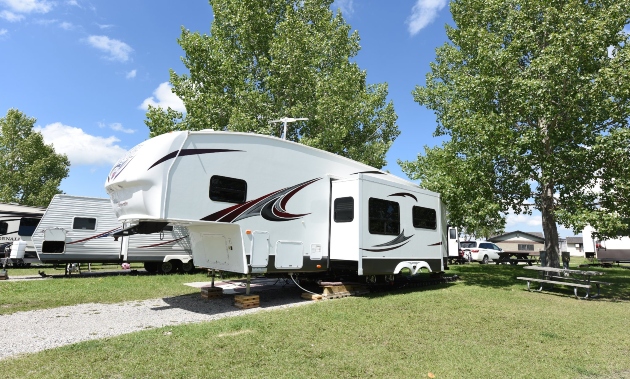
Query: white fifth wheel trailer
x,y
17,224
78,229
259,204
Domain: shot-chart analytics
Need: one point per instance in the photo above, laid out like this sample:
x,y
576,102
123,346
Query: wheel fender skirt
x,y
182,258
413,266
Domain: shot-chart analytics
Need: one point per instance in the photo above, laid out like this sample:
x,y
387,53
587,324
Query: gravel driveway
x,y
32,331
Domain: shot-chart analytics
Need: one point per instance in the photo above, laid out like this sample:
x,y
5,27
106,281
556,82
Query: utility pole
x,y
285,121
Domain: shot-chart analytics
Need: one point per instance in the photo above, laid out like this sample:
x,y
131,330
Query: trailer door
x,y
453,242
344,220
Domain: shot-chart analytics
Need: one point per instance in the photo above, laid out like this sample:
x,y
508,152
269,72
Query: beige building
x,y
520,242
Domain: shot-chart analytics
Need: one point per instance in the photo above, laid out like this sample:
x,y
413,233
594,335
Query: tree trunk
x,y
547,208
550,228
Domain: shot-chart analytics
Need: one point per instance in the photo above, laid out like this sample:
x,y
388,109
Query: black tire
x,y
188,267
167,267
484,260
151,267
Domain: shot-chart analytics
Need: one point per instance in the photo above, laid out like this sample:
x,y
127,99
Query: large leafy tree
x,y
535,97
30,170
269,59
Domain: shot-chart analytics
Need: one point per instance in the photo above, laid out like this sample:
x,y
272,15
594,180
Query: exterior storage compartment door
x,y
260,249
289,255
54,241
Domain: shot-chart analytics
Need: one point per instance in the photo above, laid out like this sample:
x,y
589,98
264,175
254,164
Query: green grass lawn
x,y
484,326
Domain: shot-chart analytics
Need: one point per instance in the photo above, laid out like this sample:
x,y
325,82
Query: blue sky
x,y
87,69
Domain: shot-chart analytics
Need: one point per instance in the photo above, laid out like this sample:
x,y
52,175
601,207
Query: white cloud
x,y
73,2
423,13
106,26
66,26
345,6
10,16
516,221
131,74
165,98
3,32
28,6
116,50
117,126
81,148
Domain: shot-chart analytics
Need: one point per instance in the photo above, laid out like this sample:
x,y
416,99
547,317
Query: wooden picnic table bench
x,y
565,277
514,258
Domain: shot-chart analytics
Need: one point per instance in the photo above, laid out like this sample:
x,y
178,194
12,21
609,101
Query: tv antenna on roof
x,y
285,121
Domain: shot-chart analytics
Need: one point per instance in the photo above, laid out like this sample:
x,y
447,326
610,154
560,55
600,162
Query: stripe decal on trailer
x,y
400,239
162,243
106,234
270,206
185,152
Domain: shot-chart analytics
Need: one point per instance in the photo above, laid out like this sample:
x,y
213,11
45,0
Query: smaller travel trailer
x,y
615,249
17,224
259,204
77,229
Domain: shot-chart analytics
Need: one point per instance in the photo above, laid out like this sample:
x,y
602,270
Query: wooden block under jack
x,y
4,275
311,296
247,301
211,292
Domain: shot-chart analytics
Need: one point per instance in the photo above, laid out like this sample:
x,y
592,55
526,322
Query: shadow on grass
x,y
271,293
501,276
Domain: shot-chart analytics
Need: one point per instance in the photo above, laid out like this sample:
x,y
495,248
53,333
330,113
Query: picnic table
x,y
513,257
566,277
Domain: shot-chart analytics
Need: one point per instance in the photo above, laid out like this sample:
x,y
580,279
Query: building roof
x,y
534,236
575,240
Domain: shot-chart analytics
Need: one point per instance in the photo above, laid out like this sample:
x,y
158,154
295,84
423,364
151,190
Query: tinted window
x,y
485,246
4,227
468,244
452,234
344,209
384,217
424,218
228,190
27,226
84,223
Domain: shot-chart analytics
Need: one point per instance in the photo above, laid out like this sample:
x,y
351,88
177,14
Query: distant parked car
x,y
480,251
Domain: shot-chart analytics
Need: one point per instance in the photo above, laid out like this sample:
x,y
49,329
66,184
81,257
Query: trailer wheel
x,y
484,260
151,267
167,267
188,267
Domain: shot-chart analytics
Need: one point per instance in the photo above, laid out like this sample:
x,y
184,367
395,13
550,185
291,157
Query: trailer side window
x,y
4,227
384,217
424,218
452,234
344,209
84,223
27,226
229,190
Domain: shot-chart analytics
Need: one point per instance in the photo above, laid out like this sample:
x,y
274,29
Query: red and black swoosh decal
x,y
271,207
185,152
106,234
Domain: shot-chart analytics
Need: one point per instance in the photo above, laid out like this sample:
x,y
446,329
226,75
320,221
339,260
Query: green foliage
x,y
30,170
533,105
269,59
